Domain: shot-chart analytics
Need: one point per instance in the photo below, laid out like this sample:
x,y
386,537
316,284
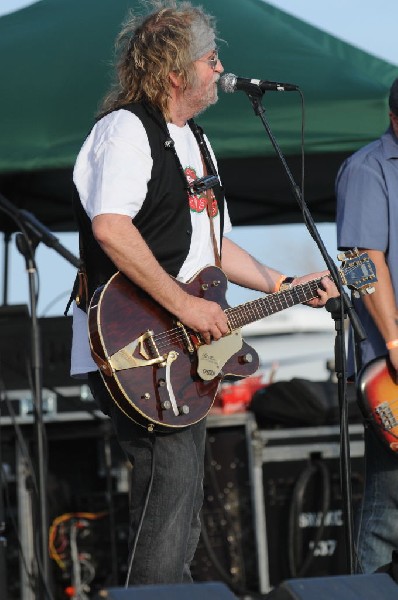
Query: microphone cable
x,y
144,509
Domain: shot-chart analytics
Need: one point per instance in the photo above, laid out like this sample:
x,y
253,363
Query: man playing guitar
x,y
151,207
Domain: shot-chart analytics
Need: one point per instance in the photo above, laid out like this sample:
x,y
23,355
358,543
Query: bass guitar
x,y
378,400
161,374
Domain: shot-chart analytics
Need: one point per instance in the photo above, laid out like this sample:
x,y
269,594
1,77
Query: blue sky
x,y
367,24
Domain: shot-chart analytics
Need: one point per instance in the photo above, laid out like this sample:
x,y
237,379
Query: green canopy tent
x,y
55,63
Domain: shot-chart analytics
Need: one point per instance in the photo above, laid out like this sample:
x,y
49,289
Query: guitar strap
x,y
207,165
79,292
210,198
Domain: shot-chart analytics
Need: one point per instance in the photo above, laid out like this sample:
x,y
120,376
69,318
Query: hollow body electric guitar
x,y
161,374
378,400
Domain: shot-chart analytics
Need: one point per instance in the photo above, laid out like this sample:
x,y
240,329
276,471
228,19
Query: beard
x,y
198,99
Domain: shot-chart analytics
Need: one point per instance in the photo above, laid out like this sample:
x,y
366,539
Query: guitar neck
x,y
252,311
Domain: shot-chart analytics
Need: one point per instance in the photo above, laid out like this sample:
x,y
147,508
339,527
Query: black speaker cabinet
x,y
227,546
378,586
193,591
298,504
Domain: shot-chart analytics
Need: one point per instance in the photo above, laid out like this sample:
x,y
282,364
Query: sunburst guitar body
x,y
378,400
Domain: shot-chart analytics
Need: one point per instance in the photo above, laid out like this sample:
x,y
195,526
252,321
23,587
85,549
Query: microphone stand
x,y
3,529
3,537
33,231
338,307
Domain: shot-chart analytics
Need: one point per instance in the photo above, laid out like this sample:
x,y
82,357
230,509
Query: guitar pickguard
x,y
212,357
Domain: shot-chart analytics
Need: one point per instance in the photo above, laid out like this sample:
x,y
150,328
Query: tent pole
x,y
3,539
7,239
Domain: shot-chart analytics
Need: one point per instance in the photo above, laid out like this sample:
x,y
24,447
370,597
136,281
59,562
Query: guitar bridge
x,y
386,416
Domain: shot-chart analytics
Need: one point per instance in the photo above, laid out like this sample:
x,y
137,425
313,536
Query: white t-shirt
x,y
111,175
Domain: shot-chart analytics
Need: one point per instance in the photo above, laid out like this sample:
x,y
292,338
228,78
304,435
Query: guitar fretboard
x,y
252,311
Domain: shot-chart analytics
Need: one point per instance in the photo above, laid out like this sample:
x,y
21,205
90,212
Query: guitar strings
x,y
260,308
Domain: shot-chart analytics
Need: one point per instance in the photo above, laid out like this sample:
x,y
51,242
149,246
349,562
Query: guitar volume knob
x,y
166,405
246,358
183,410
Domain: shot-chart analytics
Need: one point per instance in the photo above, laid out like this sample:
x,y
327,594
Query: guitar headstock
x,y
357,272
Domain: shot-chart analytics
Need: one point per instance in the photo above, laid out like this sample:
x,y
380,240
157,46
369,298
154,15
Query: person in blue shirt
x,y
367,218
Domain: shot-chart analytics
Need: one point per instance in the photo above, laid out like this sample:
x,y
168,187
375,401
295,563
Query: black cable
x,y
297,566
144,509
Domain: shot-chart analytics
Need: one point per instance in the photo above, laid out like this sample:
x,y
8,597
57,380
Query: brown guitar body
x,y
160,374
119,313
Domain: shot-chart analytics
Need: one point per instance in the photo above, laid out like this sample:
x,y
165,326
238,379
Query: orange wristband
x,y
392,344
279,283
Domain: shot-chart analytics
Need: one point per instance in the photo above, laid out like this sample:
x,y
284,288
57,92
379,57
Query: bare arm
x,y
124,245
243,269
382,304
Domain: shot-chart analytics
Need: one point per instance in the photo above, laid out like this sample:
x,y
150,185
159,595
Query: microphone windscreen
x,y
228,83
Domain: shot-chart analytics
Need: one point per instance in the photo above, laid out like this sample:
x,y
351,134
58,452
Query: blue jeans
x,y
377,521
171,527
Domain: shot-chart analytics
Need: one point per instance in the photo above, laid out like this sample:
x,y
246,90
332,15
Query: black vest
x,y
164,219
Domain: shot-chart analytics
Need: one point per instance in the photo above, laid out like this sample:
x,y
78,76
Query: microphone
x,y
231,83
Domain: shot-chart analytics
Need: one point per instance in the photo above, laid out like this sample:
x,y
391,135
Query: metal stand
x,y
335,307
255,97
27,250
3,539
32,233
25,520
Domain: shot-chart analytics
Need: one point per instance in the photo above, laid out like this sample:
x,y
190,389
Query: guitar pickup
x,y
186,337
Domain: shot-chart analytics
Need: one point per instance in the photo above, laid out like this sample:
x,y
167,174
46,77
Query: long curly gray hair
x,y
150,47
